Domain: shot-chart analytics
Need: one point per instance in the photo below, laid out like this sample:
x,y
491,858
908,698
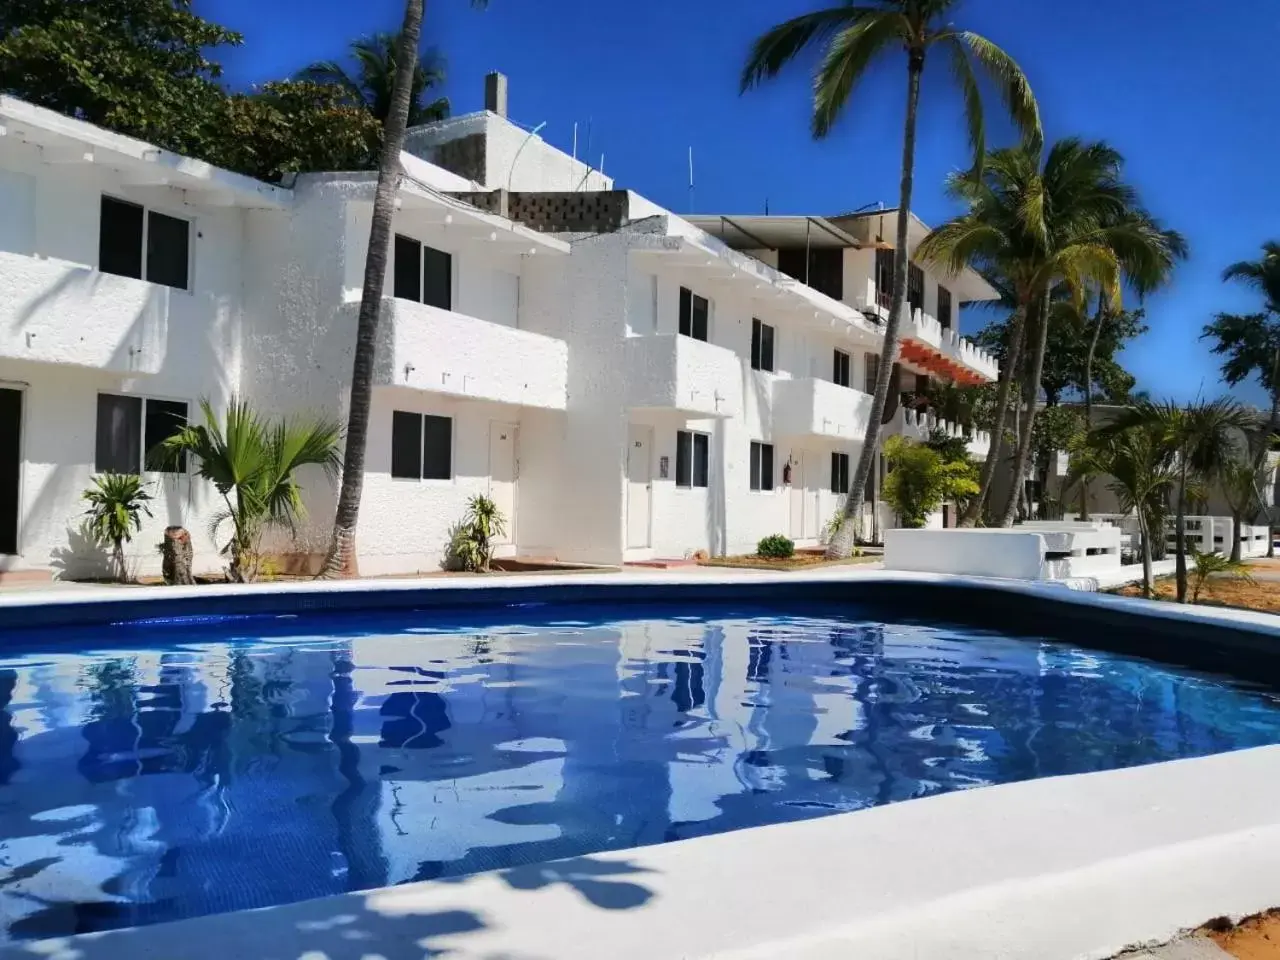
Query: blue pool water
x,y
208,771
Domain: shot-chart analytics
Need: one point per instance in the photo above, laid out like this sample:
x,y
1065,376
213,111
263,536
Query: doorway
x,y
797,495
504,471
10,467
639,485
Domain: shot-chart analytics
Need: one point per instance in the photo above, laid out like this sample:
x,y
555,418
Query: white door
x,y
812,491
797,495
504,470
639,485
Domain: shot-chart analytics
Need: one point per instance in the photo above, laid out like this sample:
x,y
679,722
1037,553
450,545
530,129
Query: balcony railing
x,y
675,372
809,407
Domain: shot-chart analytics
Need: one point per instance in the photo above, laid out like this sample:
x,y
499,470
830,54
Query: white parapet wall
x,y
1040,551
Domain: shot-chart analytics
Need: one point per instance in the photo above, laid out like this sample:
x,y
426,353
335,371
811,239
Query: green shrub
x,y
471,541
117,502
920,480
776,547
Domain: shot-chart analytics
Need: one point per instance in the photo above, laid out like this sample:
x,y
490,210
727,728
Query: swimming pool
x,y
186,770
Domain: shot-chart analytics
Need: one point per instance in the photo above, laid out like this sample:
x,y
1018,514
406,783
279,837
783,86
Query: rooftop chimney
x,y
495,93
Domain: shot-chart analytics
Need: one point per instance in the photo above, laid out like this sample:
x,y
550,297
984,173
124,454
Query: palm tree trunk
x,y
841,545
1180,530
1273,424
1016,332
342,551
1237,525
1145,534
1088,397
1029,422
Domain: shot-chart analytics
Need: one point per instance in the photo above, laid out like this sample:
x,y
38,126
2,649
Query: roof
x,y
63,139
770,232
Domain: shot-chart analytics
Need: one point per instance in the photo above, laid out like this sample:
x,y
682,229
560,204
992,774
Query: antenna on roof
x,y
766,206
575,139
691,178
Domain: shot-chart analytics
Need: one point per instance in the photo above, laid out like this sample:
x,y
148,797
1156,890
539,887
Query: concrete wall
x,y
977,553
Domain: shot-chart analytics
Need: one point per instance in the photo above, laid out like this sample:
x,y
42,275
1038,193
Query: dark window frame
x,y
763,352
145,437
429,263
762,455
841,368
839,472
693,456
915,287
692,321
946,315
884,277
871,372
145,270
425,423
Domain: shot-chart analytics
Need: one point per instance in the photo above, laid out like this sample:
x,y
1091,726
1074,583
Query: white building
x,y
623,382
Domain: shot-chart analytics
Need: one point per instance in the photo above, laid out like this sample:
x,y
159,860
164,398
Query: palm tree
x,y
1142,474
1201,437
370,86
1240,481
251,464
1250,343
342,551
1066,226
854,35
117,502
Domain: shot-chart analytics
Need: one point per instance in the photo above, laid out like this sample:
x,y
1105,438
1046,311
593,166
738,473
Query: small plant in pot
x,y
776,547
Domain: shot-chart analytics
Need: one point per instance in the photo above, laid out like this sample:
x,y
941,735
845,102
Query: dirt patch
x,y
1255,938
801,561
1262,595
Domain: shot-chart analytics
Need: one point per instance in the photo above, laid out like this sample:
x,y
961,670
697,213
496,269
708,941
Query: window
x,y
130,428
761,346
692,451
421,446
884,277
693,314
915,287
839,472
143,244
761,466
944,307
840,369
422,274
872,361
821,268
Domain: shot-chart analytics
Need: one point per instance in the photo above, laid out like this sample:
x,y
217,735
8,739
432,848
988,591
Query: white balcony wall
x,y
810,407
442,351
673,372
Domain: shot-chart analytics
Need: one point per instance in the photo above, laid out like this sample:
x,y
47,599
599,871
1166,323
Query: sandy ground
x,y
1255,939
1263,594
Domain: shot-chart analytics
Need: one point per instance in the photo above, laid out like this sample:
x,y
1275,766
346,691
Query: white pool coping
x,y
1054,869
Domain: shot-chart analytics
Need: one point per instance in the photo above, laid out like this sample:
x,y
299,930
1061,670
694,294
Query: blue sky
x,y
1183,88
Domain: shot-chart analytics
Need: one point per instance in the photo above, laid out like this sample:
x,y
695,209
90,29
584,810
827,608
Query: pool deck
x,y
1053,869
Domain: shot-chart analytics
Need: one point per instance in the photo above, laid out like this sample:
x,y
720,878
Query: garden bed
x,y
803,560
1262,595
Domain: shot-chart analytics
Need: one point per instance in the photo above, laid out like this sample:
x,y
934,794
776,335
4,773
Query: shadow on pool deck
x,y
412,920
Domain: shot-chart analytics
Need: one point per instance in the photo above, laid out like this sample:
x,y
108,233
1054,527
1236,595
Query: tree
x,y
139,67
370,87
1142,474
293,127
117,502
1216,565
921,479
1250,343
342,552
1200,438
853,37
1240,480
251,463
1065,220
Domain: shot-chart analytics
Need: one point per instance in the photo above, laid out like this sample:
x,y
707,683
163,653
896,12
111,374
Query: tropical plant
x,y
471,543
341,560
1200,437
1213,564
1053,227
1250,343
853,37
372,84
776,547
117,503
920,480
1142,473
1240,480
251,462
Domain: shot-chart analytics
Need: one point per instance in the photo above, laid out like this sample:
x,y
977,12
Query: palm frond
x,y
1011,82
846,60
778,46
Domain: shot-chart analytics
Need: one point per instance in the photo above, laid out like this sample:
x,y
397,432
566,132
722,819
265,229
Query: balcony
x,y
440,351
809,407
917,426
674,372
926,343
52,311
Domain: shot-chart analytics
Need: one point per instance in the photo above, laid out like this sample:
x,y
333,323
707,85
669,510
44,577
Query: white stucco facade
x,y
556,355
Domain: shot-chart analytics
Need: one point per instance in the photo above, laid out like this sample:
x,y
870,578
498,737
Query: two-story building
x,y
624,382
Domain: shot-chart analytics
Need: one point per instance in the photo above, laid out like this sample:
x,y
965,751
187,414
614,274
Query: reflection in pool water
x,y
228,772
